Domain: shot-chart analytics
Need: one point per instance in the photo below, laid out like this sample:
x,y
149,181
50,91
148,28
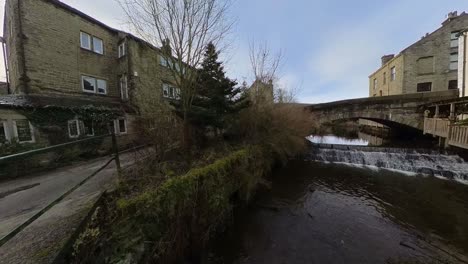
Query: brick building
x,y
430,64
62,58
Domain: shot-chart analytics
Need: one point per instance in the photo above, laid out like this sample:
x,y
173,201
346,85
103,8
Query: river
x,y
318,212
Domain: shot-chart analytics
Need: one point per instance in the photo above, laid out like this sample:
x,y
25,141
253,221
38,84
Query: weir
x,y
418,161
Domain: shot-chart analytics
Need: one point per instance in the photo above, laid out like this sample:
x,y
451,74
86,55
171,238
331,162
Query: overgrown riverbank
x,y
175,220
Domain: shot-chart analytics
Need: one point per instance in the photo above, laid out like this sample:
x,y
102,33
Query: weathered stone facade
x,y
383,83
46,57
428,65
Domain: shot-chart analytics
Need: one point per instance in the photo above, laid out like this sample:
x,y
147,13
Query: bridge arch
x,y
398,111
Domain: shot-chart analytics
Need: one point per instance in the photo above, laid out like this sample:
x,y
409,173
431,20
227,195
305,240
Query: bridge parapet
x,y
417,98
397,111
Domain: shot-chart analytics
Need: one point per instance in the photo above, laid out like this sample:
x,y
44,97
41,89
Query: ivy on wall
x,y
53,122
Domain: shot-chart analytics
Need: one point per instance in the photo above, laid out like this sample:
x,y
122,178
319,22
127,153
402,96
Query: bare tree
x,y
265,67
182,28
265,64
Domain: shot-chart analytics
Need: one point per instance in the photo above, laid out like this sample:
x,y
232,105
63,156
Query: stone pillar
x,y
453,117
436,115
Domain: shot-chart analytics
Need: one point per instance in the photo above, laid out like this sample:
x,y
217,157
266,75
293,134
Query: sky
x,y
329,47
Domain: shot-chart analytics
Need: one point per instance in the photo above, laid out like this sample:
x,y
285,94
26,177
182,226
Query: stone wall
x,y
425,61
437,46
389,86
55,61
146,74
12,34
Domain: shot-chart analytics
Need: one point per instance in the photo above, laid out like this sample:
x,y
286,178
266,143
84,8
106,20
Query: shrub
x,y
279,128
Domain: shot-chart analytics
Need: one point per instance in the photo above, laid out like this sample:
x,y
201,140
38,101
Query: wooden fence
x,y
455,134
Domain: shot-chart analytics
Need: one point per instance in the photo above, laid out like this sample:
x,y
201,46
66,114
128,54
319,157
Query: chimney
x,y
387,58
450,17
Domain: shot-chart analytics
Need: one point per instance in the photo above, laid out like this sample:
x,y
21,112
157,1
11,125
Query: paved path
x,y
21,199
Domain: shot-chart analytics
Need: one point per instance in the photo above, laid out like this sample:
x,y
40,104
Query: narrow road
x,y
21,199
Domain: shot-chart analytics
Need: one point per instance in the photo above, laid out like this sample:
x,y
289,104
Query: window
x,y
375,83
77,128
85,40
424,87
120,126
392,74
454,39
171,92
122,50
453,61
123,87
73,129
98,46
3,132
384,77
23,131
91,43
101,86
453,84
93,85
163,61
87,128
89,84
381,93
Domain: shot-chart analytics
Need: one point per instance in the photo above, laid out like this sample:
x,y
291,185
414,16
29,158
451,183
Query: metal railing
x,y
114,157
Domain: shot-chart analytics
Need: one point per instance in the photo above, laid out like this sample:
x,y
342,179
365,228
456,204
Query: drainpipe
x,y
463,89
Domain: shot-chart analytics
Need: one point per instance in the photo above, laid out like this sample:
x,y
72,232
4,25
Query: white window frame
x,y
453,65
454,39
5,130
83,77
15,131
122,49
375,83
96,82
76,122
104,88
166,89
172,91
163,61
82,44
94,39
124,87
117,126
80,126
393,73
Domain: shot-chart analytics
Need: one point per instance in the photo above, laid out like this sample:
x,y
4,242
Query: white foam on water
x,y
411,164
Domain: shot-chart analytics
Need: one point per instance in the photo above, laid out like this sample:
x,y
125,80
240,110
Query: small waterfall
x,y
426,162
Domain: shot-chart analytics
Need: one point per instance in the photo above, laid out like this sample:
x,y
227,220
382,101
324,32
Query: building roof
x,y
75,11
463,14
61,102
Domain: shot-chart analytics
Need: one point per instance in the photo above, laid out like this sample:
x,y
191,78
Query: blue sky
x,y
329,46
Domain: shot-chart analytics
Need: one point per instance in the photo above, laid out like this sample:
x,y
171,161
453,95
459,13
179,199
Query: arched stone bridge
x,y
396,111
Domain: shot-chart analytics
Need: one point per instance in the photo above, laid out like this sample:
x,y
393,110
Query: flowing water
x,y
323,212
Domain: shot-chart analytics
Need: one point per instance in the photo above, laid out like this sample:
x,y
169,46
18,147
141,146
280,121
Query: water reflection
x,y
319,213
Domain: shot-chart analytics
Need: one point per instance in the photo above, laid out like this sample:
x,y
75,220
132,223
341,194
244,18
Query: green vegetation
x,y
177,218
170,204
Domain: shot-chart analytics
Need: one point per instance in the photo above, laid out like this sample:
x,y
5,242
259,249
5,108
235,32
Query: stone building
x,y
261,91
430,64
58,57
